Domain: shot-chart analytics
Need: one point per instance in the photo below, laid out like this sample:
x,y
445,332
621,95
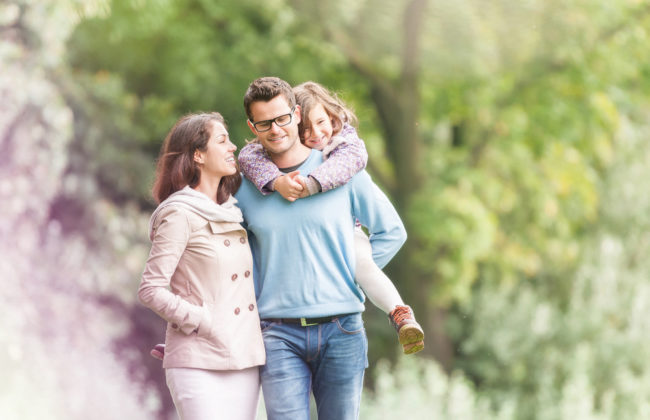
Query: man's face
x,y
277,139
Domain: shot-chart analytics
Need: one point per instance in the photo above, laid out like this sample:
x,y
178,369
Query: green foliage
x,y
529,355
456,229
147,63
521,184
584,358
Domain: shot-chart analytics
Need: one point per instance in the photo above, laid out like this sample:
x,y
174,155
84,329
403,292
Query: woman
x,y
200,251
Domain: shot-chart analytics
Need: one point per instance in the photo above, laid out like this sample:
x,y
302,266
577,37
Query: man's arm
x,y
374,211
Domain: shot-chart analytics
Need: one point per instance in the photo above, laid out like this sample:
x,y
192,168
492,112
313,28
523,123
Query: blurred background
x,y
512,136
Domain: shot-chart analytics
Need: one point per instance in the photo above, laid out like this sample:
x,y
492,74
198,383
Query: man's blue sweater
x,y
303,251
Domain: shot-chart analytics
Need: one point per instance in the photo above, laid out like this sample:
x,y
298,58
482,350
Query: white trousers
x,y
201,394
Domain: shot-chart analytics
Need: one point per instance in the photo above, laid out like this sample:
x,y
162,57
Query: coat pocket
x,y
211,329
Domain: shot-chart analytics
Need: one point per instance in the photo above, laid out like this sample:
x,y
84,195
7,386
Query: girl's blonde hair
x,y
310,94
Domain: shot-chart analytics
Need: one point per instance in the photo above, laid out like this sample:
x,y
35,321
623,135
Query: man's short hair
x,y
266,88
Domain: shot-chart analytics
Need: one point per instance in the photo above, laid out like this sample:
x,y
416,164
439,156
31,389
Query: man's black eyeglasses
x,y
281,121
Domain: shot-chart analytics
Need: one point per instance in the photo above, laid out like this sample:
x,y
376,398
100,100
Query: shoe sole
x,y
410,333
413,348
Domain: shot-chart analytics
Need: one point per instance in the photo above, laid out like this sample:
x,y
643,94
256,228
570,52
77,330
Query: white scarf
x,y
200,204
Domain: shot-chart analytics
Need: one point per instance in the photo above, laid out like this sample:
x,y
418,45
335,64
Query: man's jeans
x,y
329,358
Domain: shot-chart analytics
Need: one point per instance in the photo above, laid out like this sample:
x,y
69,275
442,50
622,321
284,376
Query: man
x,y
309,303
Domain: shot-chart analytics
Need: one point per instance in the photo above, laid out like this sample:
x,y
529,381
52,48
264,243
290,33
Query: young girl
x,y
327,125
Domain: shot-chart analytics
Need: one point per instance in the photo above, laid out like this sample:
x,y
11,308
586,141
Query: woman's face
x,y
319,133
218,159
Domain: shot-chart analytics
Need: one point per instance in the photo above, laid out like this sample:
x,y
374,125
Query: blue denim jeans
x,y
328,359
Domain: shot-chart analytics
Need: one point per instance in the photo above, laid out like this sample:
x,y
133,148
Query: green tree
x,y
582,356
488,124
496,120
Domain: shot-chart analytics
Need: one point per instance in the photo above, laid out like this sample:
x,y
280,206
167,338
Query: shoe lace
x,y
400,314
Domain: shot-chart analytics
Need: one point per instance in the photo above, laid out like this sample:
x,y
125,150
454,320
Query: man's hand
x,y
290,187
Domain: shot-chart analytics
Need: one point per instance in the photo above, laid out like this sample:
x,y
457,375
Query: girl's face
x,y
218,159
319,133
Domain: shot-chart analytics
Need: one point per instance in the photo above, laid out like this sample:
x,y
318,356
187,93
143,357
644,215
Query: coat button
x,y
236,311
175,326
234,277
226,242
242,240
247,273
251,307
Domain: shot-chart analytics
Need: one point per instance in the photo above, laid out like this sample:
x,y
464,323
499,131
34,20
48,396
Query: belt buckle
x,y
303,322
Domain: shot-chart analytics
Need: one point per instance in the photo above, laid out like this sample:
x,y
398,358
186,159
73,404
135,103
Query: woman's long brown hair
x,y
176,167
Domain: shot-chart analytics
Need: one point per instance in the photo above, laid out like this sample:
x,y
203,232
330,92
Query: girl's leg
x,y
383,294
214,394
375,284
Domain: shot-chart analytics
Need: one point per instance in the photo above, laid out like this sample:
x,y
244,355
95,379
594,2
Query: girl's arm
x,y
346,155
257,166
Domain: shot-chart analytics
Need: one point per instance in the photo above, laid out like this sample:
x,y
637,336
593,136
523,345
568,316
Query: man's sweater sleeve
x,y
374,211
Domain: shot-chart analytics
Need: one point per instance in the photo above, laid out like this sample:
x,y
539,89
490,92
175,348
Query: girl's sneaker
x,y
410,334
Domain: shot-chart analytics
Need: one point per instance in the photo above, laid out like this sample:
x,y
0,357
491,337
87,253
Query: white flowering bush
x,y
419,387
57,330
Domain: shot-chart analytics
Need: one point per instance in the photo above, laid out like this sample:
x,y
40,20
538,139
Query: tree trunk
x,y
397,101
403,141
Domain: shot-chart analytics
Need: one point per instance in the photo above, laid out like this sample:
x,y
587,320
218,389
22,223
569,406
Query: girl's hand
x,y
289,186
305,189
